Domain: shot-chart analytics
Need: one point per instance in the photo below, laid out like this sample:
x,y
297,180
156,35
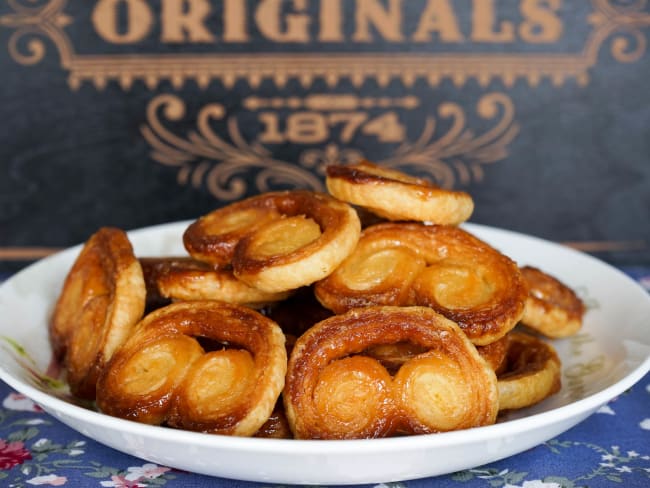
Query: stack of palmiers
x,y
288,319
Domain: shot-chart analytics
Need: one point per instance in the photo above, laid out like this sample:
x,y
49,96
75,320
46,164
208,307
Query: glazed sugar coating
x,y
102,298
395,195
552,308
334,390
166,373
443,267
183,279
278,241
531,374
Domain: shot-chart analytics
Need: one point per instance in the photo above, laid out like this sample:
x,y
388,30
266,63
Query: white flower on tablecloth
x,y
18,401
42,441
50,479
645,424
34,421
533,484
149,471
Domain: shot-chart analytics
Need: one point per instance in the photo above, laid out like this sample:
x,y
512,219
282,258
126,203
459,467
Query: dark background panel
x,y
577,170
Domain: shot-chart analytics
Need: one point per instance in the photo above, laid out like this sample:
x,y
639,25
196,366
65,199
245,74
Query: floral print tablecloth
x,y
610,448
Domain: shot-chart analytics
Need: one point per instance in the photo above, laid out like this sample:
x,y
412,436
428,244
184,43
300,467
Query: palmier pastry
x,y
552,308
531,373
301,238
203,365
182,279
443,267
380,271
102,298
334,391
397,196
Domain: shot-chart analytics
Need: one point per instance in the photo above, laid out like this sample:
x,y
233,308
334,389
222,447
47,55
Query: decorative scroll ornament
x,y
31,24
624,20
205,158
232,167
620,20
459,153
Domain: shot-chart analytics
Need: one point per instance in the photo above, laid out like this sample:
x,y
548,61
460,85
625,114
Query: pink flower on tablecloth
x,y
148,471
18,401
123,482
12,454
50,479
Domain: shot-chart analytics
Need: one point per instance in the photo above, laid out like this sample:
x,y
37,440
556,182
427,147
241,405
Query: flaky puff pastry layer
x,y
297,238
102,298
183,279
163,374
335,391
552,308
395,195
495,353
393,356
443,267
532,372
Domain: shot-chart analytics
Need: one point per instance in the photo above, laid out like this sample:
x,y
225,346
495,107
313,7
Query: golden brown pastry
x,y
397,196
552,308
182,279
393,356
203,365
531,373
380,271
299,237
495,353
334,391
277,426
102,298
442,267
213,237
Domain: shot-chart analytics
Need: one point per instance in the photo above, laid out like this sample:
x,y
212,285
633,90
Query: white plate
x,y
611,353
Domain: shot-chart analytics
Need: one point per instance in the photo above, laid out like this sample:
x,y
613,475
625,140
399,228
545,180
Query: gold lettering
x,y
289,21
139,20
438,16
331,21
268,19
234,21
183,21
483,20
387,22
542,24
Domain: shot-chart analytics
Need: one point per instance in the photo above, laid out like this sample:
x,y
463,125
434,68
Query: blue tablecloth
x,y
610,448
